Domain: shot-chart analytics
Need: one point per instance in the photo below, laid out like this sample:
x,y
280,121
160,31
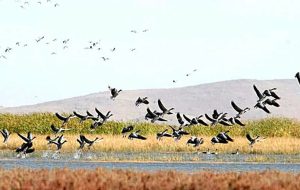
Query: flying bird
x,y
5,133
298,77
136,135
114,92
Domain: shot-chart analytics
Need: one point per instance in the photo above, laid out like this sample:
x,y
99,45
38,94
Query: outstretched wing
x,y
151,113
186,118
238,109
258,93
60,117
54,129
100,114
161,106
249,137
22,137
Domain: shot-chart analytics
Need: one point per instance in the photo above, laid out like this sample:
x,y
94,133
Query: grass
x,y
124,179
114,143
39,123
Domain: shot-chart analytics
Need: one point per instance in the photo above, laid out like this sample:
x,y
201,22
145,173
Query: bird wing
x,y
202,122
60,117
238,109
141,137
215,114
274,95
100,114
151,113
250,139
54,129
179,118
238,122
89,114
22,137
258,93
86,140
79,115
186,118
161,106
209,118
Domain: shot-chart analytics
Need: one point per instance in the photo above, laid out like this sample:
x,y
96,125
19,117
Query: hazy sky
x,y
223,40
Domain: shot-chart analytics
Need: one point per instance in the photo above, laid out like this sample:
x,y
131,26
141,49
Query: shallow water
x,y
190,162
33,163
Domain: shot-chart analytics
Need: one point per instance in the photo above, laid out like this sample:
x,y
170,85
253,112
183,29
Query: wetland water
x,y
190,162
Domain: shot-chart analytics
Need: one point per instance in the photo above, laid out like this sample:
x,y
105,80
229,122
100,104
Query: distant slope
x,y
192,100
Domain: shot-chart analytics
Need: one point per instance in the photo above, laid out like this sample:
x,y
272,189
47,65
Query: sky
x,y
223,40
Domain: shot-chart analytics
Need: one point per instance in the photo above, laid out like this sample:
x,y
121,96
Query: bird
x,y
39,39
57,130
136,135
126,130
81,142
297,76
102,116
195,141
83,117
105,58
236,152
271,102
163,108
132,49
260,96
206,152
238,109
26,147
89,142
113,49
50,141
179,119
66,41
271,93
133,31
114,92
216,139
225,136
5,133
162,134
27,139
153,116
63,118
145,30
59,143
253,140
178,133
262,106
141,101
235,120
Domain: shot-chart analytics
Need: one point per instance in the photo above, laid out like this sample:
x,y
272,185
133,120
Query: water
x,y
187,167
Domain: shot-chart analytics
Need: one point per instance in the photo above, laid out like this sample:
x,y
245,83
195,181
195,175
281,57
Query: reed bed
x,y
116,143
124,179
39,123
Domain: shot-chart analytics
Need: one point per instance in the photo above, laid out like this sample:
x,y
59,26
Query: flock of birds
x,y
266,98
57,46
26,4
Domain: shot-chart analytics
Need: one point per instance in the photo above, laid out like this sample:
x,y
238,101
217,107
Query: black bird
x,y
195,141
5,133
235,120
102,116
178,133
153,116
59,143
271,102
63,118
126,130
253,140
260,96
262,106
190,121
298,77
179,119
165,133
57,130
141,101
163,108
27,139
270,92
25,148
225,136
89,142
84,117
215,140
238,109
136,135
81,142
114,92
50,141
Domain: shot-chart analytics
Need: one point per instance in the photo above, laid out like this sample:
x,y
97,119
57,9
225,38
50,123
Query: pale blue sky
x,y
224,40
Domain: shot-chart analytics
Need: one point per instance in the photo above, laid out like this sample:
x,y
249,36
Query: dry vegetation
x,y
124,179
114,143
